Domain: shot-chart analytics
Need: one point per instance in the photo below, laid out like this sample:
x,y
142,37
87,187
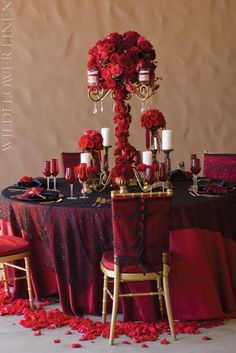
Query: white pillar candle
x,y
166,140
85,158
105,132
147,157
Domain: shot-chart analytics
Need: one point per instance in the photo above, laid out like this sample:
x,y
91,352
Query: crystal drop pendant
x,y
95,108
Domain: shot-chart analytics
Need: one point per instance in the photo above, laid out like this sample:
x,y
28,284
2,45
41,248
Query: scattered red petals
x,y
206,338
138,332
144,345
125,342
68,332
75,345
164,341
56,341
37,333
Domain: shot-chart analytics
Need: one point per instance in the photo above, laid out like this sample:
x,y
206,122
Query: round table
x,y
68,239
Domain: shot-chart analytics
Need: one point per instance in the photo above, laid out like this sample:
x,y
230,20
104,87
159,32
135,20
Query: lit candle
x,y
85,158
166,140
105,131
147,157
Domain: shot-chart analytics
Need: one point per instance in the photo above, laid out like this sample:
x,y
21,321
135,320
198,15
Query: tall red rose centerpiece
x,y
114,65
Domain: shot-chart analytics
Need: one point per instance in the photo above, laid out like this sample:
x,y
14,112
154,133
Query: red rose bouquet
x,y
118,58
152,120
122,171
91,140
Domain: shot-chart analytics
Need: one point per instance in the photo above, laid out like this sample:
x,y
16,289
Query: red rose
x,y
110,83
114,38
116,70
115,58
106,74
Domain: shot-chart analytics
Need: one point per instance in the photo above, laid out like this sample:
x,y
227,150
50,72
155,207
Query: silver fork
x,y
103,201
98,200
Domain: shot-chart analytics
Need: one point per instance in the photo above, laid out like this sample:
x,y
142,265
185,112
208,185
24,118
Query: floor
x,y
16,339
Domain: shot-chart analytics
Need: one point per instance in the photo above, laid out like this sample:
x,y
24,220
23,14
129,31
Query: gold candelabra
x,y
142,89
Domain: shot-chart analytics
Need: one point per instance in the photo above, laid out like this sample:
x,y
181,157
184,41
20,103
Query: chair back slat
x,y
220,166
69,159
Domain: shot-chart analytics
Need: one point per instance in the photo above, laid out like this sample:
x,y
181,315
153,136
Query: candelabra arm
x,y
102,185
98,94
137,177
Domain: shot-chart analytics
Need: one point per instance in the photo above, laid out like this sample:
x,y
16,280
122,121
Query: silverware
x,y
49,202
196,194
98,200
103,201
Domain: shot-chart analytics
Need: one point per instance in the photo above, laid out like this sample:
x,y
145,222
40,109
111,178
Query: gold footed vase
x,y
122,183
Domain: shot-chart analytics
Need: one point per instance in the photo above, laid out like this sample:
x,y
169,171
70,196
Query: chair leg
x,y
29,284
168,306
6,284
114,306
160,297
104,299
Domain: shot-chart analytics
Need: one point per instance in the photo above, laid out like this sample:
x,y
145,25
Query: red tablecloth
x,y
68,239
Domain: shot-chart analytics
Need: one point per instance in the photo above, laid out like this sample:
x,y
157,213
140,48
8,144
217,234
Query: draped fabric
x,y
67,240
141,227
220,166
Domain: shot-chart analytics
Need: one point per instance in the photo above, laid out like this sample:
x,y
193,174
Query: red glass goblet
x,y
195,169
162,175
83,176
150,177
47,172
54,171
70,178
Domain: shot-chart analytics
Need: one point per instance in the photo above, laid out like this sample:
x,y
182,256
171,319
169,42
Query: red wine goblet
x,y
70,178
54,171
47,172
195,169
83,176
162,175
150,177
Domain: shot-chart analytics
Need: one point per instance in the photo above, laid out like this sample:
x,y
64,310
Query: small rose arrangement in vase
x,y
153,120
122,173
92,141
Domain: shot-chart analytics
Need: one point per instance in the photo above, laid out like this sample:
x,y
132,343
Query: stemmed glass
x,y
150,177
162,175
47,172
54,171
83,176
195,169
70,178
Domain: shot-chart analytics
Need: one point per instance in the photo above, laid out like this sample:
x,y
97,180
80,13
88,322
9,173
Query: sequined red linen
x,y
220,166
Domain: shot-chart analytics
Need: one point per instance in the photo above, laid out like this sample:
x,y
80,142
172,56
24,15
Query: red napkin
x,y
216,189
35,191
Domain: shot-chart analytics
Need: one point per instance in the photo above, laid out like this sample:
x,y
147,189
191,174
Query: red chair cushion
x,y
11,245
108,263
